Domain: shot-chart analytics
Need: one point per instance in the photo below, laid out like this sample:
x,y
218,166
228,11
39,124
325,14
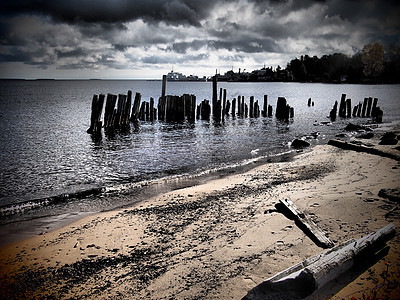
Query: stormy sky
x,y
147,38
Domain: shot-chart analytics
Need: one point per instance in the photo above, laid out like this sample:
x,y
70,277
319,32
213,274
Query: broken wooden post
x,y
369,106
270,113
342,106
109,111
136,107
359,109
291,112
224,105
152,114
233,107
282,109
164,86
364,108
228,107
251,106
374,106
333,112
256,110
264,111
204,110
348,106
215,98
355,111
95,118
307,224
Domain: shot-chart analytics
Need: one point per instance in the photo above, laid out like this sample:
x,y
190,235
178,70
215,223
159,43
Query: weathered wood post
x,y
333,112
228,107
214,98
359,108
374,106
256,110
348,105
164,86
109,111
151,109
204,110
251,106
270,113
369,107
342,106
265,106
364,108
281,109
224,104
136,107
355,111
239,102
243,107
233,107
95,118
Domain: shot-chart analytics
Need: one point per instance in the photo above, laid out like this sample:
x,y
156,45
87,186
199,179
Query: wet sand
x,y
220,239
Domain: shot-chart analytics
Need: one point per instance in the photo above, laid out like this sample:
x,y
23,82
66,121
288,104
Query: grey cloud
x,y
116,11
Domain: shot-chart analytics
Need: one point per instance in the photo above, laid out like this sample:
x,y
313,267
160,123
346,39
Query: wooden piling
x,y
264,112
270,113
291,112
164,86
251,106
359,108
333,112
364,108
342,106
348,106
369,106
233,107
136,107
224,104
281,109
214,97
152,114
374,106
228,107
204,110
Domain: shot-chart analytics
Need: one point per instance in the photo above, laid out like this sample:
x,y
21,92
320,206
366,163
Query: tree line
x,y
370,65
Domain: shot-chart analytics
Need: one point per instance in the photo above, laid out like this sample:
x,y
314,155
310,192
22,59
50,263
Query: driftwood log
x,y
306,224
301,280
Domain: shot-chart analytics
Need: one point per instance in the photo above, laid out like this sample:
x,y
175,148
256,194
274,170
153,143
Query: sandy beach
x,y
220,239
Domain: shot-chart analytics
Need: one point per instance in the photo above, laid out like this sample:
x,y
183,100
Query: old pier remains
x,y
120,110
367,109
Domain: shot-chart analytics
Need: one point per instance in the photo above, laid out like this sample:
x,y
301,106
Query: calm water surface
x,y
45,150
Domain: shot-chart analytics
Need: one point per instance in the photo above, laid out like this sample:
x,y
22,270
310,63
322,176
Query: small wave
x,y
41,202
129,187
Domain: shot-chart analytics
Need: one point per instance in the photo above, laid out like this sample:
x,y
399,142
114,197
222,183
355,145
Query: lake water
x,y
47,160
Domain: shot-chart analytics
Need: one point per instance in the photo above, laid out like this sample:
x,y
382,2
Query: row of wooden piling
x,y
368,108
120,111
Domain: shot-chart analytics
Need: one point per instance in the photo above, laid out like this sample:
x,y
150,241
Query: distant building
x,y
176,76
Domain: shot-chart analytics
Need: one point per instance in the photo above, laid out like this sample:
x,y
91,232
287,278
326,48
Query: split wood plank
x,y
307,223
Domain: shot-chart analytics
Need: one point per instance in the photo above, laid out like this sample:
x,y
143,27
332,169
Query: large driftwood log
x,y
301,280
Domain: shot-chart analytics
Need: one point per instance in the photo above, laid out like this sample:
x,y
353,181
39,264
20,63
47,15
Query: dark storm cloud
x,y
92,34
116,11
